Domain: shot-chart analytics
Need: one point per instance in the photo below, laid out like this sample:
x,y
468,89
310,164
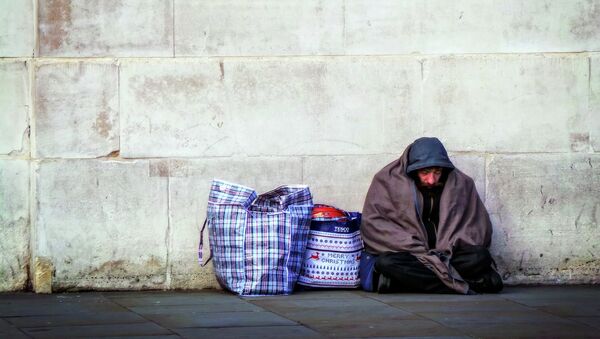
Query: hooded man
x,y
425,228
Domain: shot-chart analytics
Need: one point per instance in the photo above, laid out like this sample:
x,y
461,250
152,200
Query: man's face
x,y
430,176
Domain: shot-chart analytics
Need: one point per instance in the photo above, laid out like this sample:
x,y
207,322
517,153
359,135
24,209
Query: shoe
x,y
490,282
384,284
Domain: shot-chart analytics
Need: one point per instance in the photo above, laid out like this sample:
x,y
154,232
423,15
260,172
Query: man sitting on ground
x,y
426,228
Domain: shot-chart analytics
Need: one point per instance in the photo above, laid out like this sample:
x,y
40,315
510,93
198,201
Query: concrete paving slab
x,y
220,319
460,306
316,294
559,293
571,309
385,327
285,304
78,318
410,297
7,330
466,318
549,312
43,309
590,321
170,298
250,332
144,329
329,316
196,309
529,330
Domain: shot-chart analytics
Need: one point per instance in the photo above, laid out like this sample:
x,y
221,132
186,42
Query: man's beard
x,y
431,187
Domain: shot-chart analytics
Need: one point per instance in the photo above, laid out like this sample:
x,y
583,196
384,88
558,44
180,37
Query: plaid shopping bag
x,y
258,241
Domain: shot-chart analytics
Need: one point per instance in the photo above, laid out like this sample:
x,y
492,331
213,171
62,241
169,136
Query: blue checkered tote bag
x,y
258,241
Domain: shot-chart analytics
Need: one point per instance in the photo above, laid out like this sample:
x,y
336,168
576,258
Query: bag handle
x,y
201,246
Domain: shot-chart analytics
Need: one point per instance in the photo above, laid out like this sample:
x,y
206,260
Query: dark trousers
x,y
408,274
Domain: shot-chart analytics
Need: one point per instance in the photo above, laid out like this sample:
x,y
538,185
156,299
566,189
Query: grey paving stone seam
x,y
283,316
360,295
140,315
463,333
577,324
565,318
16,329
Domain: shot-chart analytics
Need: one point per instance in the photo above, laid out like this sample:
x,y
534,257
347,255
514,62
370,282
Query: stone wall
x,y
116,115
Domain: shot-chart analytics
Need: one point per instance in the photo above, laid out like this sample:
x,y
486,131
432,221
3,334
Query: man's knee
x,y
474,255
392,260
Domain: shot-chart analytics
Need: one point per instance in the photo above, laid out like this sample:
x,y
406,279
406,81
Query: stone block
x,y
470,26
343,181
189,186
102,223
595,102
210,108
43,271
546,210
507,103
14,224
175,109
333,106
77,110
244,28
14,107
16,31
473,166
69,28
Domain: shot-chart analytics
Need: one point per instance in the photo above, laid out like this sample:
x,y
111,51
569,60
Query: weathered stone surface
x,y
14,224
546,212
77,110
470,26
507,103
189,186
105,28
595,102
16,31
327,106
210,108
473,166
175,109
43,271
102,224
243,28
343,181
14,107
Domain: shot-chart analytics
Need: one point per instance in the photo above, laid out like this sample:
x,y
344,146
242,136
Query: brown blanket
x,y
390,222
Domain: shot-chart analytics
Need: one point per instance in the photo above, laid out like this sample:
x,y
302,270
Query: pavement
x,y
535,312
